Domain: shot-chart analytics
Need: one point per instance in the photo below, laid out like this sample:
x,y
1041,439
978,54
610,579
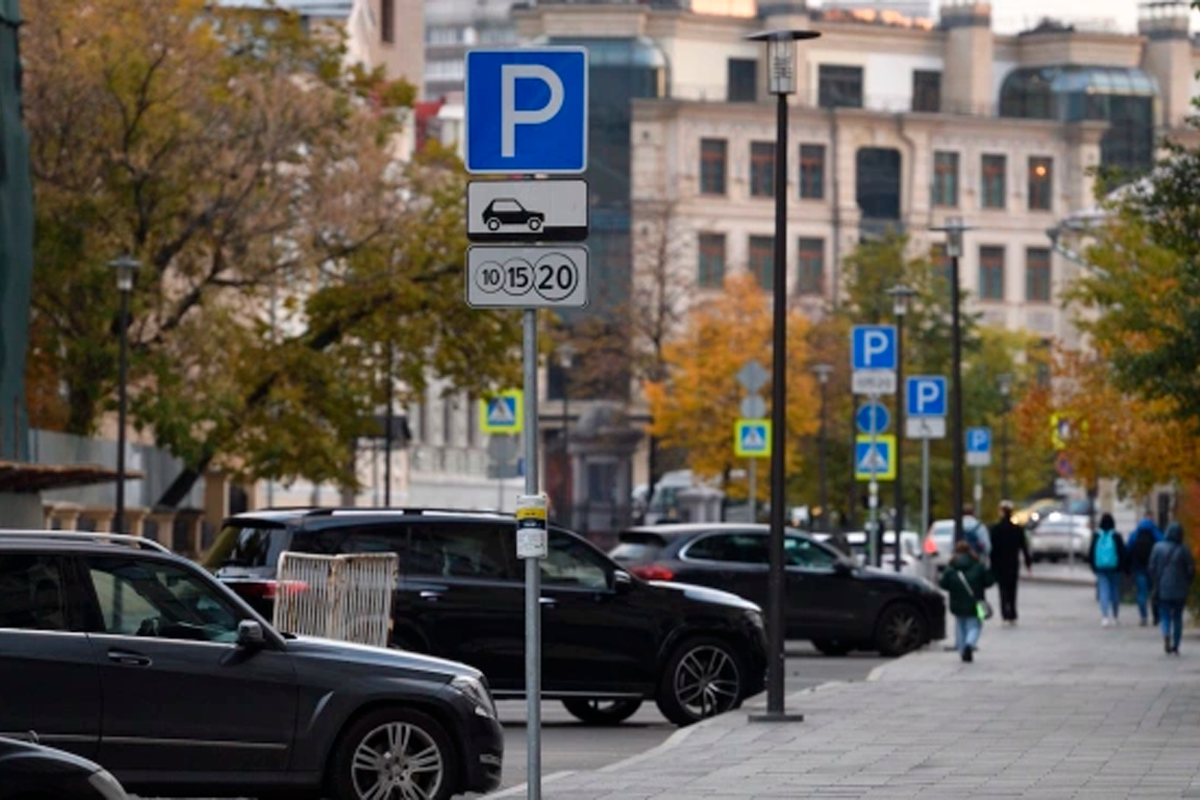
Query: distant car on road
x,y
1060,536
126,654
33,772
911,558
609,640
832,601
508,211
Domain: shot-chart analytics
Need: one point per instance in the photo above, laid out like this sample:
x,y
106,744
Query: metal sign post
x,y
526,114
873,490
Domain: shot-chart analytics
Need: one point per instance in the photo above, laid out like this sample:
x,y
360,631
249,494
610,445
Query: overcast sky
x,y
1009,16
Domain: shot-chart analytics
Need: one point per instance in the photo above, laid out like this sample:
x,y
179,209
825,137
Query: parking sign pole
x,y
533,574
873,491
753,490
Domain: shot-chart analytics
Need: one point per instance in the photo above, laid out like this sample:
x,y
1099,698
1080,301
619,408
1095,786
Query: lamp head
x,y
953,229
822,371
566,355
901,294
125,267
781,57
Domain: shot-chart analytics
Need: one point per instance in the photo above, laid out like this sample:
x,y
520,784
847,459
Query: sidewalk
x,y
1055,708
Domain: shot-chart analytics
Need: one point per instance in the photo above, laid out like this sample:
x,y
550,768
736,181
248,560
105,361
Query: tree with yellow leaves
x,y
696,406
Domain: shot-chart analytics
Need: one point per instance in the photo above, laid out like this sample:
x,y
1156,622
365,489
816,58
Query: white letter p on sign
x,y
510,117
874,343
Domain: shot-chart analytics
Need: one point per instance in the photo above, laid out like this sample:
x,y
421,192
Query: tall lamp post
x,y
900,294
125,267
822,371
781,81
566,360
1005,381
954,229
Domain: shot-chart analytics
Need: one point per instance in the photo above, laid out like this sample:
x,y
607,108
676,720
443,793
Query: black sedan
x,y
830,600
33,771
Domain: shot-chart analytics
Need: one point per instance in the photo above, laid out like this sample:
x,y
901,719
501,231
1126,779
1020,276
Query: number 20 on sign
x,y
527,277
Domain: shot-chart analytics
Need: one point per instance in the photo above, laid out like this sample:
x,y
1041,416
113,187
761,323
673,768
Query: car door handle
x,y
431,597
128,658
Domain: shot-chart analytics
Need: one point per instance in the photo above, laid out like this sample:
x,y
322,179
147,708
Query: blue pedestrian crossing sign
x,y
752,438
875,460
526,110
503,412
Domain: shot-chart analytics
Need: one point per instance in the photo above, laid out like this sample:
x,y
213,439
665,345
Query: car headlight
x,y
107,786
474,691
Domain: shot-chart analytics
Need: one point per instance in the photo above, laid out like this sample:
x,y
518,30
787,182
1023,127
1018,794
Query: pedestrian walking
x,y
975,533
1172,569
1141,545
965,579
1008,545
1109,560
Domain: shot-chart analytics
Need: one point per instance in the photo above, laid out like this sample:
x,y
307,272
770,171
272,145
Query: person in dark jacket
x,y
1172,569
965,579
1140,545
1109,560
1008,545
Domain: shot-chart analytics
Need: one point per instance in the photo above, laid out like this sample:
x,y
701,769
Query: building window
x,y
994,168
1037,275
762,169
812,171
945,179
991,273
711,272
1041,183
742,77
762,260
839,87
387,21
811,277
927,91
712,166
943,269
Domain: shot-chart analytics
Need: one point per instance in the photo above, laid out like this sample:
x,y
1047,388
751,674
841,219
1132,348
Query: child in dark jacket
x,y
965,579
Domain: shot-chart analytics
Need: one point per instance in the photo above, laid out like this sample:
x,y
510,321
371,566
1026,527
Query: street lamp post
x,y
125,267
1005,382
566,360
822,371
781,81
900,294
954,229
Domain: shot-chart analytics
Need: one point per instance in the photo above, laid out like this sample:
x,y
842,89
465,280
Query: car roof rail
x,y
101,537
329,511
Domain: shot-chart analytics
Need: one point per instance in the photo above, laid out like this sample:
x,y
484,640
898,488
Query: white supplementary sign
x,y
925,427
873,382
527,277
527,211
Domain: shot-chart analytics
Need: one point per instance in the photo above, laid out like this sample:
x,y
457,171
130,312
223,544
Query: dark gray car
x,y
33,772
143,662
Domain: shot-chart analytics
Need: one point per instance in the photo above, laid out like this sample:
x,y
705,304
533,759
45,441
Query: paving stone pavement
x,y
1055,708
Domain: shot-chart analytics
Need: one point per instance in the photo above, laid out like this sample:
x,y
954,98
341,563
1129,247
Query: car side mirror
x,y
622,581
250,635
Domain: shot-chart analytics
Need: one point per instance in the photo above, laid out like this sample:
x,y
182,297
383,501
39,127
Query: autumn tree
x,y
695,407
282,243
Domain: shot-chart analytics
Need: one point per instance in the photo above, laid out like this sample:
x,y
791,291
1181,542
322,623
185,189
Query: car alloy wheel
x,y
394,754
596,711
702,679
901,630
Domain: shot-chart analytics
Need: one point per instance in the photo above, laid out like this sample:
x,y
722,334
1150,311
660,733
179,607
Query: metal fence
x,y
337,597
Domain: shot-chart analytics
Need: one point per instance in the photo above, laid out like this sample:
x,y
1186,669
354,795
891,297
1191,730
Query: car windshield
x,y
637,547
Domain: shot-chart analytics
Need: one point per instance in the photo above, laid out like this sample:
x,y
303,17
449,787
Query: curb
x,y
522,788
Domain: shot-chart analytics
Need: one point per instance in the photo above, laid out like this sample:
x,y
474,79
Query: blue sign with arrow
x,y
872,418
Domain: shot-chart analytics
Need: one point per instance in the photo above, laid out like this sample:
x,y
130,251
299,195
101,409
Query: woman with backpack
x,y
1141,545
1172,569
965,579
1109,561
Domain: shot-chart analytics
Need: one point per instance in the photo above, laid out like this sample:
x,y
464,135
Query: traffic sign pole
x,y
873,488
533,571
753,491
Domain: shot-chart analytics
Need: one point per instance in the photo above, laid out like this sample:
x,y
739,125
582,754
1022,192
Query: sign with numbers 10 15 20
x,y
527,277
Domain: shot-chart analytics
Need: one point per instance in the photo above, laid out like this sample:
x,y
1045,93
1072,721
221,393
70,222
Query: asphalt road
x,y
569,745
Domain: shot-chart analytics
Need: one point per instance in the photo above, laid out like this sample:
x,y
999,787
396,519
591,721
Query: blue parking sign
x,y
979,440
873,347
526,110
926,396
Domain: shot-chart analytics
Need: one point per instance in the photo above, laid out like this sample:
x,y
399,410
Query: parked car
x,y
1032,514
832,601
509,211
118,651
911,558
30,771
609,640
1059,536
941,532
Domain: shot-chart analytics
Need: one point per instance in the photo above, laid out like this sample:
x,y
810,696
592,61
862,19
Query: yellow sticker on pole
x,y
532,541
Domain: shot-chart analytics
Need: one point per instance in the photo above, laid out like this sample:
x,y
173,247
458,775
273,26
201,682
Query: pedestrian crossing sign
x,y
752,438
874,460
503,412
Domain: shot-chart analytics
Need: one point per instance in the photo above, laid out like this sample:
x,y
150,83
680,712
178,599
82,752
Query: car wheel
x,y
493,224
394,753
601,712
702,678
534,223
832,647
900,630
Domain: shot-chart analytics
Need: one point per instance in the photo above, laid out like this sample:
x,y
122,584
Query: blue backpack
x,y
1106,550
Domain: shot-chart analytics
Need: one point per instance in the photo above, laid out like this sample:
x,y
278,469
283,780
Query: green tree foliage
x,y
284,247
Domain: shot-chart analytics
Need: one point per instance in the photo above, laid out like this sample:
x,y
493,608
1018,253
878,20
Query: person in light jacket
x,y
1172,569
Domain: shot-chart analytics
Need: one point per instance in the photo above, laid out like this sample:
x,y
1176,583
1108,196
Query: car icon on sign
x,y
507,211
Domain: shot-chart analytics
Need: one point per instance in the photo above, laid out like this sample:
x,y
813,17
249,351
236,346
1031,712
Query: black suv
x,y
141,661
609,640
